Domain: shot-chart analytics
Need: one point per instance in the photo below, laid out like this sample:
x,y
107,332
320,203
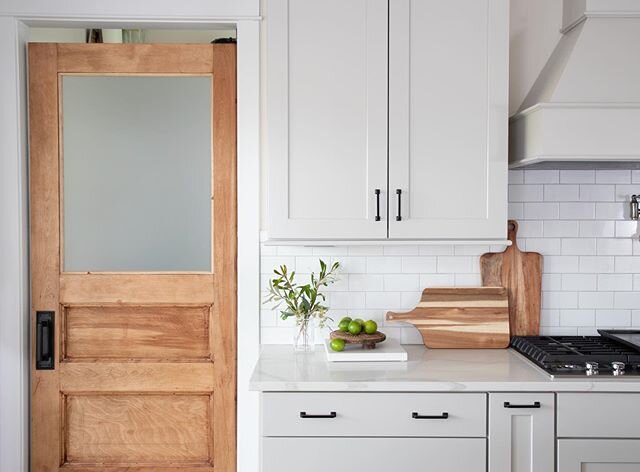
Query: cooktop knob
x,y
618,368
592,368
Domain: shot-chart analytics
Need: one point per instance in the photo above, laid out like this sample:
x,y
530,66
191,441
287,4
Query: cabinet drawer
x,y
373,454
374,414
598,415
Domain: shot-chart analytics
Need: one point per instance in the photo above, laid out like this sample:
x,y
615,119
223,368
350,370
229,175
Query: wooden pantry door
x,y
133,360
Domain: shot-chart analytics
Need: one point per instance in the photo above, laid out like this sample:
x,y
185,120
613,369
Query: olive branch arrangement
x,y
302,301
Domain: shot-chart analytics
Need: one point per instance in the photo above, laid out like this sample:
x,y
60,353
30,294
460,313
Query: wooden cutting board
x,y
468,318
521,273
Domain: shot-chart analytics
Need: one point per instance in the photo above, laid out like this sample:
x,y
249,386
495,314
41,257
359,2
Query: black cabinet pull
x,y
534,405
377,204
45,338
303,414
443,416
399,194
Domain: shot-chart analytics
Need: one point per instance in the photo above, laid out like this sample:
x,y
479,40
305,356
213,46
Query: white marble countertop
x,y
427,370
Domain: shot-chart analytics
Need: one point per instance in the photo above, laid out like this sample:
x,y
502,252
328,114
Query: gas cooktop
x,y
611,354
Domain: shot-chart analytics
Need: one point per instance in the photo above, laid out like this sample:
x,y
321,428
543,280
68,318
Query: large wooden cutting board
x,y
469,318
521,273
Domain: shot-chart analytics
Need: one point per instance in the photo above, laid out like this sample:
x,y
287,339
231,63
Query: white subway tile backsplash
x,y
541,211
577,211
597,264
628,264
384,265
468,280
550,317
552,282
596,229
366,282
615,282
577,317
577,219
595,300
409,300
455,264
419,265
526,193
516,176
400,282
627,229
577,176
614,247
615,176
515,210
267,264
552,300
437,280
579,247
624,192
613,318
545,246
530,229
597,193
627,300
561,264
541,176
560,193
579,282
560,229
611,211
383,300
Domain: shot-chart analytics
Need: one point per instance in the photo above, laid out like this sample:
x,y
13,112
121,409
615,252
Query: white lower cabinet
x,y
598,455
521,432
373,454
374,432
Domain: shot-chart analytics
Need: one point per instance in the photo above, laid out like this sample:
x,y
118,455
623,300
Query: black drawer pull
x,y
443,416
534,405
303,414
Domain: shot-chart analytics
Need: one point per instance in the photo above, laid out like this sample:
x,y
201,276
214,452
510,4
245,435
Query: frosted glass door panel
x,y
136,173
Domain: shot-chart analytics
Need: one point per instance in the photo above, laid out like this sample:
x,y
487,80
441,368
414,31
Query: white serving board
x,y
387,351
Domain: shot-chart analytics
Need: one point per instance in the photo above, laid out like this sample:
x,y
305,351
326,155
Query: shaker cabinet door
x,y
521,432
448,91
598,455
374,454
327,119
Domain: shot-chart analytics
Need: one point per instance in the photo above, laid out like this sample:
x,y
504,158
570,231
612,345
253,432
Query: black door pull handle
x,y
416,416
533,405
377,192
303,414
399,194
45,338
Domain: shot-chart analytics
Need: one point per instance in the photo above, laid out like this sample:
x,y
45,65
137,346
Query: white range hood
x,y
585,104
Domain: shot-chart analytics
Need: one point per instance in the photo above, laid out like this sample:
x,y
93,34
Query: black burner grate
x,y
554,350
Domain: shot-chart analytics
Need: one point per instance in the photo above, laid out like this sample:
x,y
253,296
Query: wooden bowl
x,y
368,341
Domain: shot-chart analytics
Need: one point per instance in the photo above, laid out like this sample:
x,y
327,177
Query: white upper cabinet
x,y
448,112
327,118
408,97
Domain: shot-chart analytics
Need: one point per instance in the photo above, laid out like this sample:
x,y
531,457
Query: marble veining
x,y
427,370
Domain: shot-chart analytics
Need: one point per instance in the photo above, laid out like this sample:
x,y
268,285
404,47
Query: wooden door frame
x,y
14,327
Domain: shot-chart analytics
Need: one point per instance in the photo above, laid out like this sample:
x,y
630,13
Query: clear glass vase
x,y
304,335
